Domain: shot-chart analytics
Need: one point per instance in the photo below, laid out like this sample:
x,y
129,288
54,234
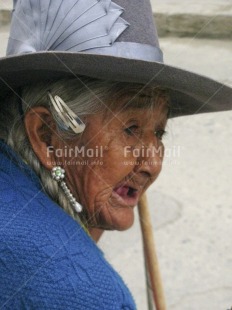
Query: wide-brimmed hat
x,y
113,40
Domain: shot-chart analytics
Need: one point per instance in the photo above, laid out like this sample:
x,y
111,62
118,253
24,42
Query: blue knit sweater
x,y
47,261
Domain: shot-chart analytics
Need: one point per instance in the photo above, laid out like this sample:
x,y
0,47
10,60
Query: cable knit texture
x,y
47,261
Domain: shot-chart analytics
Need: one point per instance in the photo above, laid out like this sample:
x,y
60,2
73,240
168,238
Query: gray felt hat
x,y
113,40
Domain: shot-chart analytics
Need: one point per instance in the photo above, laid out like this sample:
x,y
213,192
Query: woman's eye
x,y
131,130
160,133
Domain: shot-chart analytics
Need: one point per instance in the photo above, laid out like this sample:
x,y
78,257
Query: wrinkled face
x,y
117,158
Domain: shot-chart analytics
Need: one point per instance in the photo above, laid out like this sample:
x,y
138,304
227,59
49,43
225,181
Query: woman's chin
x,y
117,218
123,224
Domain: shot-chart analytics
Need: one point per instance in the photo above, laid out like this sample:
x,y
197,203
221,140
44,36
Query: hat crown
x,y
120,28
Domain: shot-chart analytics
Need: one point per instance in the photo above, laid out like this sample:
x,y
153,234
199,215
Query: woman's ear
x,y
42,134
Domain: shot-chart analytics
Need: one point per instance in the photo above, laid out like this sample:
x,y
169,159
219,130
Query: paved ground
x,y
191,202
209,18
4,33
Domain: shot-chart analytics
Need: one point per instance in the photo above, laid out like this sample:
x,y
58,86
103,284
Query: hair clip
x,y
69,118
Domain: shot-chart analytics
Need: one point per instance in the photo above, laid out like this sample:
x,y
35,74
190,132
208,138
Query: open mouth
x,y
127,194
125,191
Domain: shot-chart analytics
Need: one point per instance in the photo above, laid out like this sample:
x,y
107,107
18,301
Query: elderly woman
x,y
81,132
55,256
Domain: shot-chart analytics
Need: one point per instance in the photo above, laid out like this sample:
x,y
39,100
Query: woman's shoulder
x,y
47,261
32,223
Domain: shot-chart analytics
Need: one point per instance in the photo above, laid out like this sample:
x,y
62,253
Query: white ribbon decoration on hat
x,y
74,25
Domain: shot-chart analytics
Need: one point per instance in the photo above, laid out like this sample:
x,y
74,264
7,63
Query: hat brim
x,y
190,93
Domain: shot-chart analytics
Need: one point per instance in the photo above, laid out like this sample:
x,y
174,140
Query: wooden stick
x,y
150,301
150,254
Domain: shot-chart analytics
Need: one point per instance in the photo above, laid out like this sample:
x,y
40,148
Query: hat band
x,y
130,50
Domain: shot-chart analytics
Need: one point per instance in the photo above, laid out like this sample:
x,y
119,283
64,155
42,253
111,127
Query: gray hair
x,y
85,96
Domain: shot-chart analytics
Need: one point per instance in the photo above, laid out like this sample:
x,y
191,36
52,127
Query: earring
x,y
58,174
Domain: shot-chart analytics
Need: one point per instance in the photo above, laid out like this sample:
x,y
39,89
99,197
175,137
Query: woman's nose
x,y
150,158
